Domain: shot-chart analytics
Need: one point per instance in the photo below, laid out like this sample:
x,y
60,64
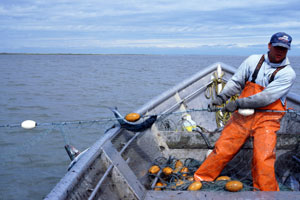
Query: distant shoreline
x,y
113,54
66,54
109,54
124,54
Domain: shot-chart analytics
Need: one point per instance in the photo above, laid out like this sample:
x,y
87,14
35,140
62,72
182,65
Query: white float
x,y
246,112
28,124
208,152
219,74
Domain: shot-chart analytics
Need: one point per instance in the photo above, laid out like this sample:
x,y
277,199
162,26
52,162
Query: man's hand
x,y
216,102
230,107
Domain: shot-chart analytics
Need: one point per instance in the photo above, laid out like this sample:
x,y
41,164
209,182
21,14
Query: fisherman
x,y
264,82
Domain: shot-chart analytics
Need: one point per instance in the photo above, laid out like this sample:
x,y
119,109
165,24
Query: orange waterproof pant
x,y
262,126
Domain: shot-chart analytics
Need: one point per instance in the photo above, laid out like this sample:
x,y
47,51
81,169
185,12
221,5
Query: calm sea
x,y
67,88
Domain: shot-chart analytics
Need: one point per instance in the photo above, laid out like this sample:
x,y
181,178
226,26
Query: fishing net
x,y
169,141
186,132
179,180
287,166
176,132
186,136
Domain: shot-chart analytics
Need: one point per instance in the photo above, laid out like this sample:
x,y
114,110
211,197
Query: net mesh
x,y
166,143
287,165
178,180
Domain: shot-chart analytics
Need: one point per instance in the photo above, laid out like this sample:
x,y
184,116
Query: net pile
x,y
179,180
176,179
287,166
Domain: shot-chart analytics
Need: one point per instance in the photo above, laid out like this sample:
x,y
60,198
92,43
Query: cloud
x,y
145,24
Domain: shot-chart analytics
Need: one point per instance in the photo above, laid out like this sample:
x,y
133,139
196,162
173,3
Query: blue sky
x,y
220,27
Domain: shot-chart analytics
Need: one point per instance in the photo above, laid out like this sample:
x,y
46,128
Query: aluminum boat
x,y
116,166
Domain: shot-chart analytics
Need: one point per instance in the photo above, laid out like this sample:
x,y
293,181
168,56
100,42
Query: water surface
x,y
58,88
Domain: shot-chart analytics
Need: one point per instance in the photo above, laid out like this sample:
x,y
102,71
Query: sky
x,y
206,27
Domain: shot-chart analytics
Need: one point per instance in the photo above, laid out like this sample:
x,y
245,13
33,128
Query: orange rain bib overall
x,y
262,126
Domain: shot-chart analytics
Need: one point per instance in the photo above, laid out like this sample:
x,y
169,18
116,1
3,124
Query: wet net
x,y
169,141
174,176
240,167
176,137
182,178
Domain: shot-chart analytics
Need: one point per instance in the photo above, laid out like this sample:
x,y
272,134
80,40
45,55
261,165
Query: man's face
x,y
277,54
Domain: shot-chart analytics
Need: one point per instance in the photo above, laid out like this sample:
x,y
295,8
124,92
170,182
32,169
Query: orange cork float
x,y
132,117
184,171
167,170
234,186
223,178
154,169
197,185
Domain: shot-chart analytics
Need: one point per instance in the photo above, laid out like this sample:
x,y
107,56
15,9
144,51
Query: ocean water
x,y
68,88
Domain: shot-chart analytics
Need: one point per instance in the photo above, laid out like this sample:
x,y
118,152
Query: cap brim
x,y
281,45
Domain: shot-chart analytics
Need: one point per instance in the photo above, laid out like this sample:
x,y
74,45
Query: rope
x,y
212,91
223,117
212,88
63,123
64,135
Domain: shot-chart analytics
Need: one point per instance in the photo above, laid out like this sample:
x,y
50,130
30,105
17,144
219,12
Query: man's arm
x,y
237,82
278,88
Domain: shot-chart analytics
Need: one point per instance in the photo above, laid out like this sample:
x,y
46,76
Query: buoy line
x,y
30,124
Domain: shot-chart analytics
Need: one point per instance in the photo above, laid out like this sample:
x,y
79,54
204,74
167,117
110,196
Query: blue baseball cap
x,y
281,39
